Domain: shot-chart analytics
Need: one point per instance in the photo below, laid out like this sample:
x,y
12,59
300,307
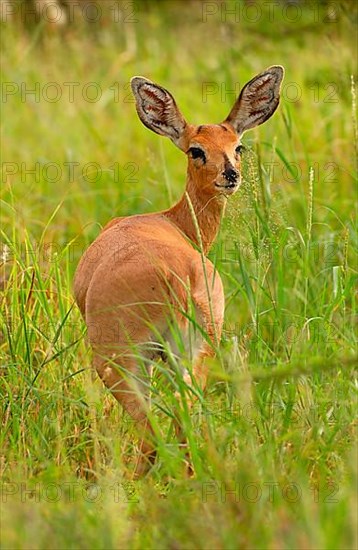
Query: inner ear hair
x,y
157,109
257,101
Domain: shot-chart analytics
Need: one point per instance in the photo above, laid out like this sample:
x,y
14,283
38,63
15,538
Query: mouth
x,y
228,188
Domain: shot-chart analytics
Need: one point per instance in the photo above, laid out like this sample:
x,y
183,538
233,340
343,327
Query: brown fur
x,y
142,271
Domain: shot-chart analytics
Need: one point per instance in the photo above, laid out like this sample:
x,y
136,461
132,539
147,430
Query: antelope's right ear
x,y
158,111
258,100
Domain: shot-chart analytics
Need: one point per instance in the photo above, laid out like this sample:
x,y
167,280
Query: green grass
x,y
273,441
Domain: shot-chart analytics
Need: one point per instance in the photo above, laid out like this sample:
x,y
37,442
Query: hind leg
x,y
122,376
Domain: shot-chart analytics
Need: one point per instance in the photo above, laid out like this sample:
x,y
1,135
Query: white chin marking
x,y
226,190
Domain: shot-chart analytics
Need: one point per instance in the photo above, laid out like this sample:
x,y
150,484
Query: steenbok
x,y
146,273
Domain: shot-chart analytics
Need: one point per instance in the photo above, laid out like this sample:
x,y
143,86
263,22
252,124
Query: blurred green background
x,y
74,154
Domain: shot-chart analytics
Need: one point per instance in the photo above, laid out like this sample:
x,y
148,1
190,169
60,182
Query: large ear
x,y
157,110
257,101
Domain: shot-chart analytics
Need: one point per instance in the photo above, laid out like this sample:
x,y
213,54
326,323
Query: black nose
x,y
230,175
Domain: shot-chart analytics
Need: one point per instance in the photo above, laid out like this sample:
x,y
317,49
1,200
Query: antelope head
x,y
214,150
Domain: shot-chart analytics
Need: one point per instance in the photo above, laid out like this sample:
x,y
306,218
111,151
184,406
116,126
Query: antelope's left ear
x,y
157,109
257,101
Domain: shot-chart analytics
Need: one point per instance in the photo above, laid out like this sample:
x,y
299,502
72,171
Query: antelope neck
x,y
198,210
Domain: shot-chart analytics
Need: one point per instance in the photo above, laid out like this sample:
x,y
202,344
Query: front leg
x,y
209,314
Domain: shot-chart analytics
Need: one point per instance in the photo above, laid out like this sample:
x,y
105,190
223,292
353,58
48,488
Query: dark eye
x,y
239,149
197,153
